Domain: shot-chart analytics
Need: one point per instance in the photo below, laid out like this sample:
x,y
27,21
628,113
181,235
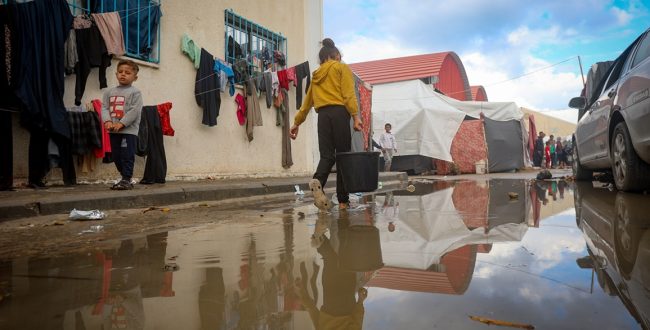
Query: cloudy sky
x,y
497,40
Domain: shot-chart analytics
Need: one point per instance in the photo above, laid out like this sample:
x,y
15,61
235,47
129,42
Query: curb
x,y
63,203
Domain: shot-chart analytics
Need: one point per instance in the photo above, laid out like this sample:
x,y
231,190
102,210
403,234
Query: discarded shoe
x,y
320,200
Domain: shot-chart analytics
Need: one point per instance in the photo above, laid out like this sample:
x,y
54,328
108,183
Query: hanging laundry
x,y
365,102
302,71
278,103
6,151
279,58
189,48
92,54
241,71
110,27
267,83
155,169
253,115
165,121
42,27
86,131
71,56
106,141
234,49
287,160
226,68
275,83
291,75
142,17
282,78
206,89
241,109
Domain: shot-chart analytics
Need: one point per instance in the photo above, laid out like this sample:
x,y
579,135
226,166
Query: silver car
x,y
613,132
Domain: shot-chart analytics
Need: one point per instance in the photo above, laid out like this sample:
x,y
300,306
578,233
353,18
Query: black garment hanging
x,y
9,60
92,53
302,71
39,162
6,152
206,89
155,169
43,27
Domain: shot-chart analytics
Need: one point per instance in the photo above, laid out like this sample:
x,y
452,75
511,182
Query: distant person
x,y
332,94
538,151
553,154
560,153
547,154
388,146
121,110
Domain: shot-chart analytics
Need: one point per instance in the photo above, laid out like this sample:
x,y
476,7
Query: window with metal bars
x,y
140,21
261,48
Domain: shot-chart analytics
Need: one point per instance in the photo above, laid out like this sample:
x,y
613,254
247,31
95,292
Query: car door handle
x,y
611,93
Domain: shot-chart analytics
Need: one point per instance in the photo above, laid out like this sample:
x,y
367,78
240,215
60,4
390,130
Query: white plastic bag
x,y
86,215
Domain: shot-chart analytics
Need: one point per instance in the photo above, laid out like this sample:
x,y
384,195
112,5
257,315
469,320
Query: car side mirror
x,y
578,102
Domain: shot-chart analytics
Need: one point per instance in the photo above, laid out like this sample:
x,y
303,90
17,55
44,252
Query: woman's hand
x,y
358,125
293,132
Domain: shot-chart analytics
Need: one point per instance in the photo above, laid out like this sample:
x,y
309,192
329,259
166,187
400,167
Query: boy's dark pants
x,y
333,136
123,149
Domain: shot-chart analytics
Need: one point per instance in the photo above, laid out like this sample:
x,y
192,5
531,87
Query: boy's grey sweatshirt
x,y
123,104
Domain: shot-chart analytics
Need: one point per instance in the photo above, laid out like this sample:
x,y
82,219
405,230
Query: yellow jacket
x,y
332,84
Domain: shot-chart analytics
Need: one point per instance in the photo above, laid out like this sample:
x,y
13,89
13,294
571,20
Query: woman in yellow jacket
x,y
332,94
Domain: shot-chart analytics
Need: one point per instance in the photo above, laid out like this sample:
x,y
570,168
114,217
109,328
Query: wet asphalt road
x,y
449,255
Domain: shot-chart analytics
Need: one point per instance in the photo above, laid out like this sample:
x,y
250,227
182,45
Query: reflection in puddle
x,y
502,249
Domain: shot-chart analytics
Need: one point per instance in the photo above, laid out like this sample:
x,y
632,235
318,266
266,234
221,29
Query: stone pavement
x,y
25,202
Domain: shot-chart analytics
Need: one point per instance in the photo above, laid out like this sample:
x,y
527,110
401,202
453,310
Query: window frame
x,y
78,7
256,36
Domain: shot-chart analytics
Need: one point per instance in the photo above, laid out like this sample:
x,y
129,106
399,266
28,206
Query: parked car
x,y
613,131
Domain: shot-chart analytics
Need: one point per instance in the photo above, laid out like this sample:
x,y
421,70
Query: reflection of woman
x,y
340,309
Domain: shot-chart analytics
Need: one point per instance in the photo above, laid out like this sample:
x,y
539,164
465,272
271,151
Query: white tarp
x,y
429,226
501,111
423,123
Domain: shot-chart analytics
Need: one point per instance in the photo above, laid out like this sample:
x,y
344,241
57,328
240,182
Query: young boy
x,y
121,108
388,146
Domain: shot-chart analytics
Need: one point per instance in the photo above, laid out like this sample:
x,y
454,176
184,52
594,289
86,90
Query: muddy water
x,y
449,255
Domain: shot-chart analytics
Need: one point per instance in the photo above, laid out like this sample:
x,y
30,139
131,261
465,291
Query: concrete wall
x,y
548,124
221,151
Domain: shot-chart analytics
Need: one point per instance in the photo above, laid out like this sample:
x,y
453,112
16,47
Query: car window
x,y
642,52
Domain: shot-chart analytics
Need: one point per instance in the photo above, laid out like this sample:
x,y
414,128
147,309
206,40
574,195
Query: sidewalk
x,y
59,199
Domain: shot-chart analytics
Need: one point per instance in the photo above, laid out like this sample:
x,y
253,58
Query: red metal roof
x,y
446,66
478,93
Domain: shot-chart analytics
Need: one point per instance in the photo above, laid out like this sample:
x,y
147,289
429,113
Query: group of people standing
x,y
550,154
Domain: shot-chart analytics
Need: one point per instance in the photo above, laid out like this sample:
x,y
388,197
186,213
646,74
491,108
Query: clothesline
x,y
115,11
235,83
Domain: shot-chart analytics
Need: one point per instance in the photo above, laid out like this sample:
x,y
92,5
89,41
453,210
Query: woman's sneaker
x,y
320,200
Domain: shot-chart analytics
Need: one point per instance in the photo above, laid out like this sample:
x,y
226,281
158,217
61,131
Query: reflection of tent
x,y
430,229
423,123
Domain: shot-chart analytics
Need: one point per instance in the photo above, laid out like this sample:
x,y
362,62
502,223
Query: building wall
x,y
548,124
223,150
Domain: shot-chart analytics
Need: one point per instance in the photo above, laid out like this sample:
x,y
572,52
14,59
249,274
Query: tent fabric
x,y
501,111
423,123
532,134
505,145
467,148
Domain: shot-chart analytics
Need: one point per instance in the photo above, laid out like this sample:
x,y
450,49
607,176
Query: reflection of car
x,y
616,228
612,132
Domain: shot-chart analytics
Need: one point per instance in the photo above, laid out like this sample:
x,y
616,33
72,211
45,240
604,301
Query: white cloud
x,y
544,89
622,16
362,48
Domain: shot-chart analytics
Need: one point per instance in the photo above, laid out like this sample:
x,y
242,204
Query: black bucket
x,y
360,249
360,170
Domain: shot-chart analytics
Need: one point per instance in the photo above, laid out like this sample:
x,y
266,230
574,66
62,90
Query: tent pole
x,y
584,84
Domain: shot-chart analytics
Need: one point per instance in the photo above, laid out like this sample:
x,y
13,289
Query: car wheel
x,y
627,234
579,172
630,172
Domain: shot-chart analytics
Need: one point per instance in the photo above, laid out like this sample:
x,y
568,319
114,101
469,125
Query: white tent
x,y
423,123
501,111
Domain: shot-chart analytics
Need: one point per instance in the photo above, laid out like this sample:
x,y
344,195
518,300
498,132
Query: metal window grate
x,y
140,23
254,43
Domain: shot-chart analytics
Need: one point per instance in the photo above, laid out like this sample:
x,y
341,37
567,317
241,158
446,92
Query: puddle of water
x,y
507,250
